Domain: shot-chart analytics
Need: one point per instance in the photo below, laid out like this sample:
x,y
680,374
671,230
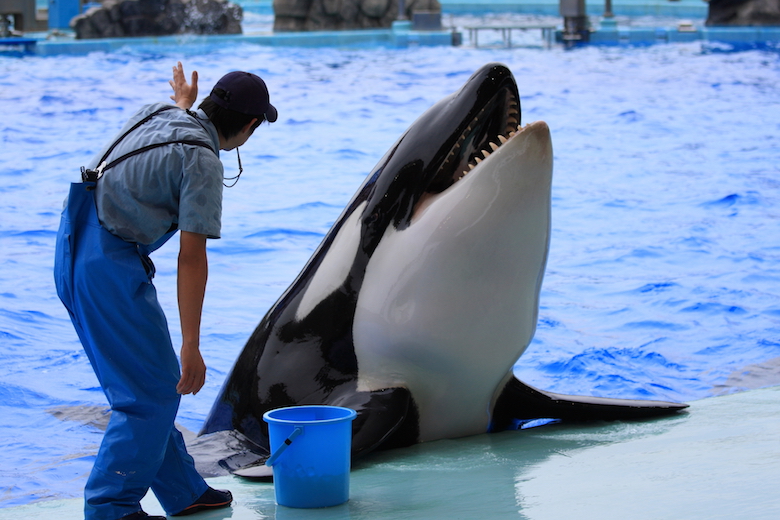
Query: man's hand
x,y
193,371
184,94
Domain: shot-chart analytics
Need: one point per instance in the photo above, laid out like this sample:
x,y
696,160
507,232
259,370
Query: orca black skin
x,y
304,350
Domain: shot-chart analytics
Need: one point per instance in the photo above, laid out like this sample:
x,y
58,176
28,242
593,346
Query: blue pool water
x,y
663,278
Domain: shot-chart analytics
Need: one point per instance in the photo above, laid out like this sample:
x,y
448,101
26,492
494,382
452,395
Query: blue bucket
x,y
311,448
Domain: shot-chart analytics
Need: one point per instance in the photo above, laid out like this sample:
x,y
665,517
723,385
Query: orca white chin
x,y
432,316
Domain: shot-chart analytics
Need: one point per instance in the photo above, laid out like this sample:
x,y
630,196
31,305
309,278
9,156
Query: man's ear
x,y
248,126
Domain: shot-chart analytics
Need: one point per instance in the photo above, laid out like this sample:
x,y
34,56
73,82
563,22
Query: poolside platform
x,y
402,36
734,37
718,460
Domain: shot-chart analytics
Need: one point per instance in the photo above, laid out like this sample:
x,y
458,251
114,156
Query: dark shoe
x,y
140,515
211,499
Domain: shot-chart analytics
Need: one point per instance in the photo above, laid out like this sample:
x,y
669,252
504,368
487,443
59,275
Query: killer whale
x,y
424,293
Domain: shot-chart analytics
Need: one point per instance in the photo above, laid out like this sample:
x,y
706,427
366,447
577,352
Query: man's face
x,y
241,137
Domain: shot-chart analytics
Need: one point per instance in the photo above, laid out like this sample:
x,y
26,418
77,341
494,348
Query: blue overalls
x,y
106,286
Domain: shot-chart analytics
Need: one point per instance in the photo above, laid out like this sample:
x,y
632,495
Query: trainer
x,y
160,175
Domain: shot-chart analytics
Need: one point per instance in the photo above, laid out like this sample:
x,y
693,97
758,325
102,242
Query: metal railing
x,y
548,33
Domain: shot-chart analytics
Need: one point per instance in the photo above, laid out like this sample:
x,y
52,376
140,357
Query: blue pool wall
x,y
678,8
401,35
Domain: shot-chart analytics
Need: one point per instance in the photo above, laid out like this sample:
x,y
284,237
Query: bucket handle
x,y
275,455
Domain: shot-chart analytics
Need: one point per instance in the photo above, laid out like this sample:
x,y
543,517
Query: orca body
x,y
423,295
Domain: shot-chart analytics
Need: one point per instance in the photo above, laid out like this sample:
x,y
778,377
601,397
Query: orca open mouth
x,y
493,125
444,144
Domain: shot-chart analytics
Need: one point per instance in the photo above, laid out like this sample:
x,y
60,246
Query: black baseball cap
x,y
245,93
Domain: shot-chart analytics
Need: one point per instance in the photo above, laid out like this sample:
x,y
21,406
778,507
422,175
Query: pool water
x,y
663,279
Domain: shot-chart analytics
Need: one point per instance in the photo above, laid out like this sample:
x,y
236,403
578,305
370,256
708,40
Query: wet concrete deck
x,y
718,460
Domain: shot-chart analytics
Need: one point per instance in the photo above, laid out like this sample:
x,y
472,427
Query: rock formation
x,y
334,15
743,12
119,18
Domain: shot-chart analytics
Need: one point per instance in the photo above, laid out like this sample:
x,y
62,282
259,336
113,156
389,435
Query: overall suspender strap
x,y
94,175
139,123
150,147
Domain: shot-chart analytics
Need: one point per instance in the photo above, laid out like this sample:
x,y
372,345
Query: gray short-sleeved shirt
x,y
173,186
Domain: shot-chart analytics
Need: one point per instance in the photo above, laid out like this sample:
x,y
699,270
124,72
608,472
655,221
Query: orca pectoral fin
x,y
248,464
223,452
256,471
386,418
519,401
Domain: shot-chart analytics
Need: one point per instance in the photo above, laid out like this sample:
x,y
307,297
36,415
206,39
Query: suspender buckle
x,y
92,175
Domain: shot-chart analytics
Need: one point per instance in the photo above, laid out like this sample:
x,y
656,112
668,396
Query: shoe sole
x,y
196,508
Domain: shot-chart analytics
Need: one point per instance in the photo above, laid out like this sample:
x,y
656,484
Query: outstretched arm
x,y
192,276
184,94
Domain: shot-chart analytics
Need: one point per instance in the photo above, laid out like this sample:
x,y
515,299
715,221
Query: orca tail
x,y
519,401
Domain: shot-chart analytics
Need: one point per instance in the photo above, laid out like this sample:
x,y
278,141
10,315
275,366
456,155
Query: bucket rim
x,y
349,415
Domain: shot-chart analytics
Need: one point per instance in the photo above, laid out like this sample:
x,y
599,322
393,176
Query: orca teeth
x,y
512,126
